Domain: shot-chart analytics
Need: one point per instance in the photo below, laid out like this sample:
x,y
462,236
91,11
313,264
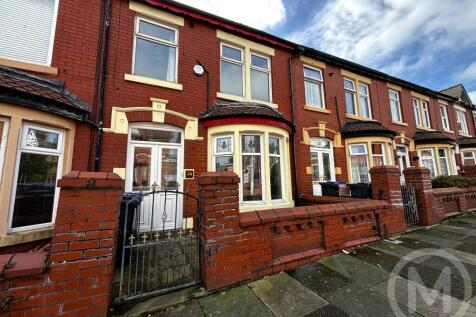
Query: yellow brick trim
x,y
394,87
312,108
420,96
312,62
226,96
156,13
233,39
354,76
44,69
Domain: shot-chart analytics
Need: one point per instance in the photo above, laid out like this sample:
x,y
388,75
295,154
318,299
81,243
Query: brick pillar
x,y
83,244
469,171
219,230
386,184
420,178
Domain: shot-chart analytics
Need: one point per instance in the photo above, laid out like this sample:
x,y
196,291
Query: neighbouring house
x,y
170,92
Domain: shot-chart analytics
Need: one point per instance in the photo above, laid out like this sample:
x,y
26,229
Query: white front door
x,y
403,160
322,163
155,161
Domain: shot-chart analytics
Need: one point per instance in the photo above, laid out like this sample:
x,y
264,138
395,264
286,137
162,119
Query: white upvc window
x,y
378,154
444,162
422,113
4,125
260,77
314,87
427,159
357,102
395,107
223,153
155,50
359,163
469,157
232,70
38,166
252,170
276,172
444,117
28,30
461,121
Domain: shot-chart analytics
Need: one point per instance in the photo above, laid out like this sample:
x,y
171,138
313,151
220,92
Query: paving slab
x,y
456,229
416,244
191,309
357,300
442,305
458,223
463,256
319,278
237,302
442,242
441,234
285,296
355,269
470,220
396,250
328,311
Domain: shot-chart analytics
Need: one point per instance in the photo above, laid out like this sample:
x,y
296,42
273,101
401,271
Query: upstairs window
x,y
155,53
444,117
395,107
461,121
231,78
313,87
357,102
28,30
260,77
422,113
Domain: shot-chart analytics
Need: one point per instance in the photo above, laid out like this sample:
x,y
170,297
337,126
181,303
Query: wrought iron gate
x,y
410,204
156,255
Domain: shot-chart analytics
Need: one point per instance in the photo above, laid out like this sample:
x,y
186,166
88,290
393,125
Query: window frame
x,y
259,69
219,154
356,94
3,144
262,172
383,155
445,122
461,115
366,154
399,105
473,157
41,151
281,167
425,109
366,96
233,61
446,158
136,34
421,112
314,81
433,158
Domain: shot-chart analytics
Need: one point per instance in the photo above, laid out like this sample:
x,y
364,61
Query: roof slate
x,y
425,137
365,128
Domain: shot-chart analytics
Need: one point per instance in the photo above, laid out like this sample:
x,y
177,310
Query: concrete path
x,y
364,282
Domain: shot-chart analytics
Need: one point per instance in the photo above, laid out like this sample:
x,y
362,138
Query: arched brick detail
x,y
139,116
176,121
315,133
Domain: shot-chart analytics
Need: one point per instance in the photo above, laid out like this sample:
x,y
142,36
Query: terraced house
x,y
159,93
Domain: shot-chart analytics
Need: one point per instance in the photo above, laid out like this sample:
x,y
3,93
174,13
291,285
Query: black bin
x,y
361,190
330,188
134,201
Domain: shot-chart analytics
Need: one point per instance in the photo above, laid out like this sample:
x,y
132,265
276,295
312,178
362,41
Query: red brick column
x,y
420,177
219,230
469,171
83,244
386,184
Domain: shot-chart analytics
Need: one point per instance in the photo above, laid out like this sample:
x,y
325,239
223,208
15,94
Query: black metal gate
x,y
157,246
410,204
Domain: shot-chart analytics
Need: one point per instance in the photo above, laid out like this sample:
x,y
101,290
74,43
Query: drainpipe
x,y
293,133
102,80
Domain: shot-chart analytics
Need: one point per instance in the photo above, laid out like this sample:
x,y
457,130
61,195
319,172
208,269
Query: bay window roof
x,y
467,142
427,137
365,128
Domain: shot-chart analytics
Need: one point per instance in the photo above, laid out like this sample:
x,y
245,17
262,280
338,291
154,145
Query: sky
x,y
429,42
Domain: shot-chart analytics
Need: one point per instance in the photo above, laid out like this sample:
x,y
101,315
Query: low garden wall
x,y
453,201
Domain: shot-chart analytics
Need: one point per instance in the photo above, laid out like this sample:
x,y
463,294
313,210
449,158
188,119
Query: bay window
x,y
439,160
359,164
365,154
443,160
378,154
251,163
231,65
275,168
461,121
427,159
223,153
38,166
357,102
155,50
395,107
444,117
313,87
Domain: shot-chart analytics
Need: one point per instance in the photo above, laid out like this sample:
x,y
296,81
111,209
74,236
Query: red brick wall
x,y
79,276
244,247
453,201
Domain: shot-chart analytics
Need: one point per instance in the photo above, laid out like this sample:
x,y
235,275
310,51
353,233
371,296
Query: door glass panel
x,y
35,192
315,166
142,169
326,166
156,135
169,168
42,139
251,177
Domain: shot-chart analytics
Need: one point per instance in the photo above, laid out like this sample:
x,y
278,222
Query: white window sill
x,y
448,131
355,117
25,236
400,123
226,96
244,207
425,129
464,134
317,109
153,82
43,69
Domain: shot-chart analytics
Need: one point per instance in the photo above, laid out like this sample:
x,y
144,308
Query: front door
x,y
155,163
322,163
403,160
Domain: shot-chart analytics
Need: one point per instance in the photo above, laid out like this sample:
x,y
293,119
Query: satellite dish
x,y
198,70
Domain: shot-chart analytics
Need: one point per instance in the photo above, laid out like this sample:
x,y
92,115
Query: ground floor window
x,y
365,155
260,156
469,157
38,165
439,160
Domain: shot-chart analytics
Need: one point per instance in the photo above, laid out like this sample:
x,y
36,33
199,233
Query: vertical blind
x,y
26,29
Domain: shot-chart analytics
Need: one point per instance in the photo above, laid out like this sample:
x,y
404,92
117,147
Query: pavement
x,y
428,272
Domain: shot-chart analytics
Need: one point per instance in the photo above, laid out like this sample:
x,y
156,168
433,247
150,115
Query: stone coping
x,y
453,190
23,264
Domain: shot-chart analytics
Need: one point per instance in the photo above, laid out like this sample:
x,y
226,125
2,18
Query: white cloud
x,y
472,95
396,36
469,73
260,14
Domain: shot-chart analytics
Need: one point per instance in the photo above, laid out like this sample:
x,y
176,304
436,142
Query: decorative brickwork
x,y
78,281
239,247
